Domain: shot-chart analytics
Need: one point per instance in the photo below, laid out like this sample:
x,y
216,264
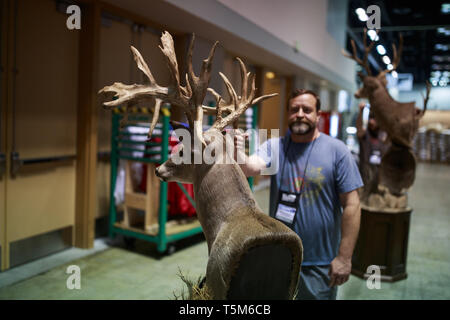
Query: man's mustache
x,y
301,122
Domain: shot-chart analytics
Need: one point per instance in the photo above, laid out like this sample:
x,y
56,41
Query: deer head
x,y
232,222
370,82
399,120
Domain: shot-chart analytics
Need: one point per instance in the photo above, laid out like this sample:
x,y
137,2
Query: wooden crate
x,y
147,202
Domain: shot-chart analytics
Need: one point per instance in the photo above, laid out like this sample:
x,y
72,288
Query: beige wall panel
x,y
42,197
153,56
3,100
103,185
270,112
47,80
114,66
41,202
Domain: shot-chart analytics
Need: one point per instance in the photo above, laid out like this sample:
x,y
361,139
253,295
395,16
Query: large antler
x,y
188,97
427,96
396,57
364,62
238,104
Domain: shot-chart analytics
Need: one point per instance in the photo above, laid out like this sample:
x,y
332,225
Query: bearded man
x,y
314,192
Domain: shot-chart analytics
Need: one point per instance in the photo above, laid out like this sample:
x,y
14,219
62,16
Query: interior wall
x,y
42,196
293,21
271,113
3,100
115,63
438,97
435,117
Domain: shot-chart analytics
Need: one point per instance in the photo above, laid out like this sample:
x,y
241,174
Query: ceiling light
x,y
390,66
434,82
362,14
373,35
360,11
436,66
436,74
394,74
443,47
386,60
444,31
270,75
442,83
381,50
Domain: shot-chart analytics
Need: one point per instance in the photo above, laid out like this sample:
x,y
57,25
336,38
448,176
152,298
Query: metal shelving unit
x,y
164,232
122,147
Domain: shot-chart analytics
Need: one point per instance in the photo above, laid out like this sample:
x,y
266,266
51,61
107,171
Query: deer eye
x,y
181,153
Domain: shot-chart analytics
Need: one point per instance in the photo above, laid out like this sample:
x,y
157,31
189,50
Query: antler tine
x,y
427,96
238,105
168,51
190,76
367,48
397,55
155,117
230,89
244,78
142,65
198,87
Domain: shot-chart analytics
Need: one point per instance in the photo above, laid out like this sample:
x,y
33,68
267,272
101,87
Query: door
x,y
39,131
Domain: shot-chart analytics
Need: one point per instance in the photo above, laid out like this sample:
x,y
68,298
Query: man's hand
x,y
340,269
361,106
239,137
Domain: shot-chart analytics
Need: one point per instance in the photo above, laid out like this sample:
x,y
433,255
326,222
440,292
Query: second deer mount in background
x,y
240,237
399,120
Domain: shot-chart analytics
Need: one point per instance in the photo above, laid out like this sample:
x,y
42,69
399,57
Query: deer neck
x,y
381,99
219,190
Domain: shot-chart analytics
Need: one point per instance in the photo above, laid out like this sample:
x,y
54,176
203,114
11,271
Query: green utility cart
x,y
164,232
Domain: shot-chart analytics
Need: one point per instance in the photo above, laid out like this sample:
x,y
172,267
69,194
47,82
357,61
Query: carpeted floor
x,y
115,272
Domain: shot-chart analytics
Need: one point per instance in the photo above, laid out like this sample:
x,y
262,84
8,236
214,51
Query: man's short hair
x,y
299,92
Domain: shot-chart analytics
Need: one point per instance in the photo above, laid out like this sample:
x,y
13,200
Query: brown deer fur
x,y
399,120
251,255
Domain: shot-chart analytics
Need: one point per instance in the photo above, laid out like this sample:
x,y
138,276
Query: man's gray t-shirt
x,y
331,171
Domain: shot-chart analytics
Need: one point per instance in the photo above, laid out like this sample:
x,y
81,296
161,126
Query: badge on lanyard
x,y
287,207
288,202
375,157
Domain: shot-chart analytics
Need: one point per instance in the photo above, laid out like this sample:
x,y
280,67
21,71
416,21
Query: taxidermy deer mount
x,y
251,255
399,120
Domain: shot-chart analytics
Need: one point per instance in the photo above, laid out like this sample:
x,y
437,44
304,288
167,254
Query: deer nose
x,y
156,172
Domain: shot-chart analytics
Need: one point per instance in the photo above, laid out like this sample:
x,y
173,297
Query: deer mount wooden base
x,y
382,241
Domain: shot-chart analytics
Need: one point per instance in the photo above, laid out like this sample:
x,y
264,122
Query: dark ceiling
x,y
426,33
